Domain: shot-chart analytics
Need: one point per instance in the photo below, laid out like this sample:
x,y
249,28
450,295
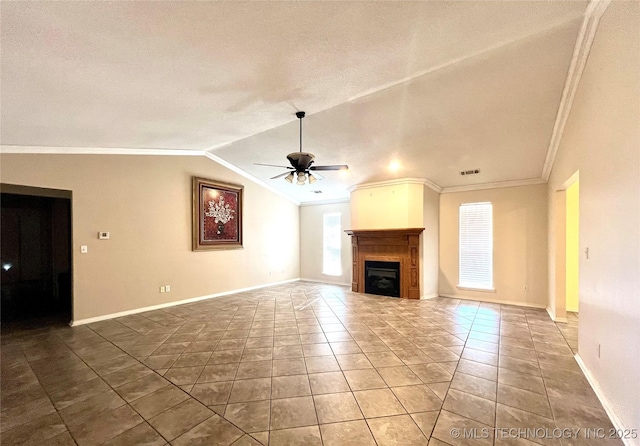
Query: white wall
x,y
311,217
387,206
602,141
519,240
429,244
145,202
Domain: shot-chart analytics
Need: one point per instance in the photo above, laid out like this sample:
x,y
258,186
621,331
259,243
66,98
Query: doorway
x,y
567,247
573,247
35,255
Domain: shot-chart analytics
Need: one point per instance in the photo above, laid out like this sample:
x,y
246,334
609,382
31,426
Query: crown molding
x,y
235,169
323,202
50,150
572,179
423,181
431,185
581,51
496,185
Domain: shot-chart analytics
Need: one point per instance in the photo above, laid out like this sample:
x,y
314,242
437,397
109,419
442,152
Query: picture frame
x,y
217,215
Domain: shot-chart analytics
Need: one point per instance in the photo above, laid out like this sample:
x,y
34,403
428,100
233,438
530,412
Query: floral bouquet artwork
x,y
221,213
217,215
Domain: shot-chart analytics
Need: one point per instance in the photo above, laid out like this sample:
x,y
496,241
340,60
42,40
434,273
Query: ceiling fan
x,y
302,164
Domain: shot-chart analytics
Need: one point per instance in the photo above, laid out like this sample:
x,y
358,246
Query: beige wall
x,y
311,218
520,244
145,202
602,141
429,243
387,206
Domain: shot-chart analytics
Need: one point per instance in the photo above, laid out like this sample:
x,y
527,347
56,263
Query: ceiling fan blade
x,y
334,167
280,176
272,165
301,163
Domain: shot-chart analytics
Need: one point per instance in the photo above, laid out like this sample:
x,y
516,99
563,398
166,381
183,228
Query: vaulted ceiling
x,y
438,87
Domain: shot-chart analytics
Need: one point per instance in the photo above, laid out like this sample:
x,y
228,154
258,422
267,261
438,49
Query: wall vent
x,y
317,191
470,172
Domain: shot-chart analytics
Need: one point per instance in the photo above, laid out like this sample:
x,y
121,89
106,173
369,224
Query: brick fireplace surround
x,y
388,245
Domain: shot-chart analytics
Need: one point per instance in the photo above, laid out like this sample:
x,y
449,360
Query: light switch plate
x,y
84,249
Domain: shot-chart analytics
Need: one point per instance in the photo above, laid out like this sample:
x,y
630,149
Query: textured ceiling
x,y
437,86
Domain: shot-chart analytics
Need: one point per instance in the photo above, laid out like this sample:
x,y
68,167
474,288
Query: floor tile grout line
x,y
403,329
194,398
495,406
544,379
235,379
47,393
98,376
541,374
129,403
445,396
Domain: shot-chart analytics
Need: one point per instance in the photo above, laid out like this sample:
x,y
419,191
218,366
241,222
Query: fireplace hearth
x,y
382,278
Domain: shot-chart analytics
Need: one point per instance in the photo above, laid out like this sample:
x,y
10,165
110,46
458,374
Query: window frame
x,y
466,284
336,269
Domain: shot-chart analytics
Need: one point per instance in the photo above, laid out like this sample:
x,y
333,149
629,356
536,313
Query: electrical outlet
x,y
162,289
526,288
167,288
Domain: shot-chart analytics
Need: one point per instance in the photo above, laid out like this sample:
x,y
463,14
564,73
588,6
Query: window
x,y
331,239
476,246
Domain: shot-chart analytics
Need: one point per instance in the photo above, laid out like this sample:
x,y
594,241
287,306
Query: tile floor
x,y
298,364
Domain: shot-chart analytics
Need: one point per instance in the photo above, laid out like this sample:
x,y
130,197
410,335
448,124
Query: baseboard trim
x,y
552,315
606,404
325,281
75,323
495,301
429,296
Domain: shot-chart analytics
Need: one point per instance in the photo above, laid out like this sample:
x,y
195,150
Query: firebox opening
x,y
382,278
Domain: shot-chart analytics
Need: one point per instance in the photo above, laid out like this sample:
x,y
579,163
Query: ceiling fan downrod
x,y
300,115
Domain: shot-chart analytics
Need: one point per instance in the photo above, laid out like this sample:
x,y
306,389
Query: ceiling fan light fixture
x,y
302,163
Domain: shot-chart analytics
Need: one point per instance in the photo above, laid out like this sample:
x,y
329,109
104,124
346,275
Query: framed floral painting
x,y
217,215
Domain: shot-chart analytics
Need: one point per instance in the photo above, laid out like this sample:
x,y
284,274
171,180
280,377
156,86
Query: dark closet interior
x,y
35,257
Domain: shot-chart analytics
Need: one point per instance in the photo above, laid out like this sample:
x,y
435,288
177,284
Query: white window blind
x,y
476,246
331,239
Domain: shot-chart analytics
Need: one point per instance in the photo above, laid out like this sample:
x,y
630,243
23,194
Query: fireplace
x,y
398,247
382,278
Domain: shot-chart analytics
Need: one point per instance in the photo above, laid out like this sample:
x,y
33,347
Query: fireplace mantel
x,y
387,245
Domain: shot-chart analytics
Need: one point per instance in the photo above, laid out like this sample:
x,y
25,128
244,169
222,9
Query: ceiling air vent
x,y
317,191
470,172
